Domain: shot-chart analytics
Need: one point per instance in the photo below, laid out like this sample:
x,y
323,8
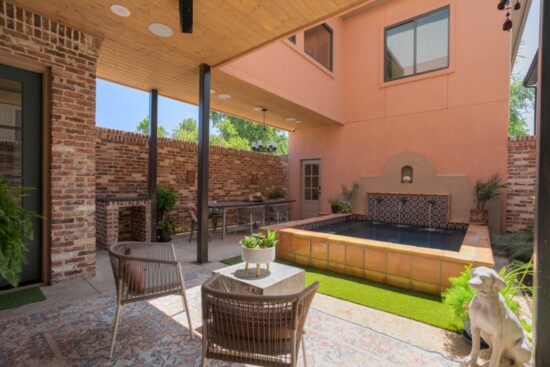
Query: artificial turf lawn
x,y
412,305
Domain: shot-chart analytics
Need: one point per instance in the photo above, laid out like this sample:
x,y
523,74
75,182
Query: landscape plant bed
x,y
413,305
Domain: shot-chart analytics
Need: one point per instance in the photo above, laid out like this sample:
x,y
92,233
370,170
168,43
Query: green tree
x,y
521,101
143,127
239,133
187,129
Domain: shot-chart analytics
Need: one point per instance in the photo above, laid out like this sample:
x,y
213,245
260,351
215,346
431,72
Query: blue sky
x,y
122,108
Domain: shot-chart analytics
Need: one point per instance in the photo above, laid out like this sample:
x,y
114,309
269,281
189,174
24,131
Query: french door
x,y
21,154
310,188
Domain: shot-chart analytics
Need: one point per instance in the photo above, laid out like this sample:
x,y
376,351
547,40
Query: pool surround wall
x,y
409,267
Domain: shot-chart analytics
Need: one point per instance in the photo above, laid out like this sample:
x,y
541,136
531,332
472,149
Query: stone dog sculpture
x,y
492,319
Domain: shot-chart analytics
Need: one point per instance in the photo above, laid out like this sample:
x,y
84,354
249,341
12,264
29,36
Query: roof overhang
x,y
532,76
222,31
519,19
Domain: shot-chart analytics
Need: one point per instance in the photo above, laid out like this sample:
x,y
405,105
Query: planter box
x,y
479,217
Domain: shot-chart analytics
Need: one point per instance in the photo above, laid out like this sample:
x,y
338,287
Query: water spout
x,y
431,204
402,201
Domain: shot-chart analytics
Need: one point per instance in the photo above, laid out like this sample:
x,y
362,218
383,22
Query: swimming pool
x,y
443,239
331,242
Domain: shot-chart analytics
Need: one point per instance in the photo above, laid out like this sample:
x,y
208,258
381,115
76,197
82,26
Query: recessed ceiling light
x,y
259,108
120,10
161,30
224,96
297,122
212,91
291,119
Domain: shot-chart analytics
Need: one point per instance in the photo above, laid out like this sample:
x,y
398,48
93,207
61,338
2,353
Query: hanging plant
x,y
15,227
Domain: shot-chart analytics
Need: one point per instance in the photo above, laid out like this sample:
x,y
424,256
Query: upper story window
x,y
318,44
417,46
292,39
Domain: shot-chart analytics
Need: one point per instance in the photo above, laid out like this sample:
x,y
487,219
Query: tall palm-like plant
x,y
486,191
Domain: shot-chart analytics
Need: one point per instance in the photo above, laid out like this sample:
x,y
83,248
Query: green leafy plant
x,y
345,207
15,227
486,191
166,199
277,194
334,201
260,240
515,246
348,194
459,296
167,225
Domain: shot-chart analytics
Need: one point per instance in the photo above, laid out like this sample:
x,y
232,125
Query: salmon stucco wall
x,y
287,71
456,118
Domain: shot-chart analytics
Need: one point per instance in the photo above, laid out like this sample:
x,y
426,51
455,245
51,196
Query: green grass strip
x,y
20,298
413,305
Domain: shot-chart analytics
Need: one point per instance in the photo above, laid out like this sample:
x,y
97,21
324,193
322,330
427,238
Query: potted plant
x,y
166,200
259,249
165,228
459,296
334,204
347,195
15,227
485,192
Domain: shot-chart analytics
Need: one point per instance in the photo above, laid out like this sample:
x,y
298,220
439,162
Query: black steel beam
x,y
204,143
152,186
186,16
542,233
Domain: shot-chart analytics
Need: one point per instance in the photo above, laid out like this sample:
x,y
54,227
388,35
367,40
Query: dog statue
x,y
492,319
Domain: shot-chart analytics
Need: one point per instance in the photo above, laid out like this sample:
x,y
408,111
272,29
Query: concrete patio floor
x,y
430,338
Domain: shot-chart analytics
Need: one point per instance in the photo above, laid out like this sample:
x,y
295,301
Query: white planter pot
x,y
258,255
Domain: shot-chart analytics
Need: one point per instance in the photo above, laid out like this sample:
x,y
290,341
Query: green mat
x,y
410,304
20,298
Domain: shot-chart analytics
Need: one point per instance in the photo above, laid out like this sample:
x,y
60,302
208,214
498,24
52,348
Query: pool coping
x,y
300,246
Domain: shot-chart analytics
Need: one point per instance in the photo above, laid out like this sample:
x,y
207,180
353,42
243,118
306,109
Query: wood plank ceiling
x,y
222,31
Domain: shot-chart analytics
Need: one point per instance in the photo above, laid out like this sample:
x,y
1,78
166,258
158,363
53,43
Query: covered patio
x,y
74,325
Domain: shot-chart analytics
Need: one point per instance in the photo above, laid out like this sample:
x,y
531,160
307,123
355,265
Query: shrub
x,y
277,194
15,227
515,246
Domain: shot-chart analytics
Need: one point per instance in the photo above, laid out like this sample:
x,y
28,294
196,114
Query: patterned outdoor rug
x,y
155,333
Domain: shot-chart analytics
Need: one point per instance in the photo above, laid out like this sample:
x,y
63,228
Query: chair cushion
x,y
134,274
261,323
193,207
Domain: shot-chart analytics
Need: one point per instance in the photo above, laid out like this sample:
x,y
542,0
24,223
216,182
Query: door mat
x,y
20,298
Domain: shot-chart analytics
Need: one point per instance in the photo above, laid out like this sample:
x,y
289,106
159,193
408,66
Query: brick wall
x,y
71,56
122,170
520,203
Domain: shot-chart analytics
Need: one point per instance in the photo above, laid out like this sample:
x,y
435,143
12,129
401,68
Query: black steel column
x,y
204,143
542,233
153,124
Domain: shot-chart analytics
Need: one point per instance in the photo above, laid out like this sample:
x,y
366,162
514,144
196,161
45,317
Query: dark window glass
x,y
417,46
318,44
292,39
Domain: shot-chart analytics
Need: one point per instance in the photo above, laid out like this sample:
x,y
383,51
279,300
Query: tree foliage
x,y
143,127
521,101
227,131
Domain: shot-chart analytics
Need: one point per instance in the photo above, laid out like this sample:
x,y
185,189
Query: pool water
x,y
442,239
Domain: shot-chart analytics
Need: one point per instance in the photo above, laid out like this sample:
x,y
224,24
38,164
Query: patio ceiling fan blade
x,y
186,16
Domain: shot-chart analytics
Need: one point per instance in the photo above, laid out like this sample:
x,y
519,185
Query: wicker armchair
x,y
143,271
253,329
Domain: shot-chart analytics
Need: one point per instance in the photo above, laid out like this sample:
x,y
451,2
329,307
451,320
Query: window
x,y
318,44
417,46
292,39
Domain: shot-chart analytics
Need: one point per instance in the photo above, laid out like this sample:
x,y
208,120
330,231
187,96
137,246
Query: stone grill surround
x,y
108,220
